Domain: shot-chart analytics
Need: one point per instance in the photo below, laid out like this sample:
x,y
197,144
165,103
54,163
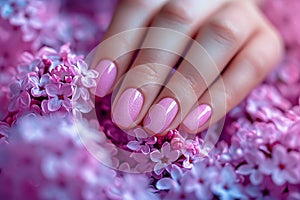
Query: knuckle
x,y
257,63
230,98
122,42
192,81
177,12
224,31
277,43
151,71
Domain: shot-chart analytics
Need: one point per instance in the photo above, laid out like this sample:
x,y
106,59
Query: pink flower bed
x,y
51,147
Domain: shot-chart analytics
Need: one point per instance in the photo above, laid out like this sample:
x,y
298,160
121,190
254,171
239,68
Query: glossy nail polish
x,y
107,75
128,107
197,117
161,115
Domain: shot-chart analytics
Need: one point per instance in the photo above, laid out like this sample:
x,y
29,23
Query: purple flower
x,y
264,102
192,150
282,165
39,84
257,157
252,167
164,157
62,73
81,92
82,106
61,168
143,142
59,96
10,7
291,139
227,187
266,190
199,179
27,19
173,182
21,98
87,78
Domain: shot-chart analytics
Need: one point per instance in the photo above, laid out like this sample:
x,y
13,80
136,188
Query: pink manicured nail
x,y
198,117
161,115
128,108
107,75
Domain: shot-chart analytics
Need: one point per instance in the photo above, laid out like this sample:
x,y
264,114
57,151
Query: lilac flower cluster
x,y
42,162
44,154
51,82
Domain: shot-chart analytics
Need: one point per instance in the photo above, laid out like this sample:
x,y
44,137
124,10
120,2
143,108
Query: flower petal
x,y
54,104
228,174
176,173
52,90
279,153
25,99
156,156
84,93
165,184
256,178
92,73
88,82
82,66
152,140
67,104
44,79
66,90
278,177
173,156
33,78
76,93
145,149
133,145
84,106
44,106
159,168
15,88
13,104
166,148
245,169
267,167
36,92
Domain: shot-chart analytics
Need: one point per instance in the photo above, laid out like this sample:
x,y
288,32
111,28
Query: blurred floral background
x,y
51,148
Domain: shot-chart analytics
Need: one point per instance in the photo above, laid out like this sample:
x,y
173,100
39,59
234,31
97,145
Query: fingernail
x,y
128,107
107,75
161,115
198,117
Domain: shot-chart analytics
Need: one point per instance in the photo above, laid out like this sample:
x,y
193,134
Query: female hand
x,y
233,48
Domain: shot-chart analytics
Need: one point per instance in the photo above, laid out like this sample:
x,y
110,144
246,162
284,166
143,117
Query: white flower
x,y
164,157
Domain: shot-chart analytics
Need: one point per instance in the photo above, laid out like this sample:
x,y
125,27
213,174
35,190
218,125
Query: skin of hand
x,y
221,49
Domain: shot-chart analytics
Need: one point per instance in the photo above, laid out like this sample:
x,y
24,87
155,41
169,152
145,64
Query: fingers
x,y
161,49
217,42
245,71
129,15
